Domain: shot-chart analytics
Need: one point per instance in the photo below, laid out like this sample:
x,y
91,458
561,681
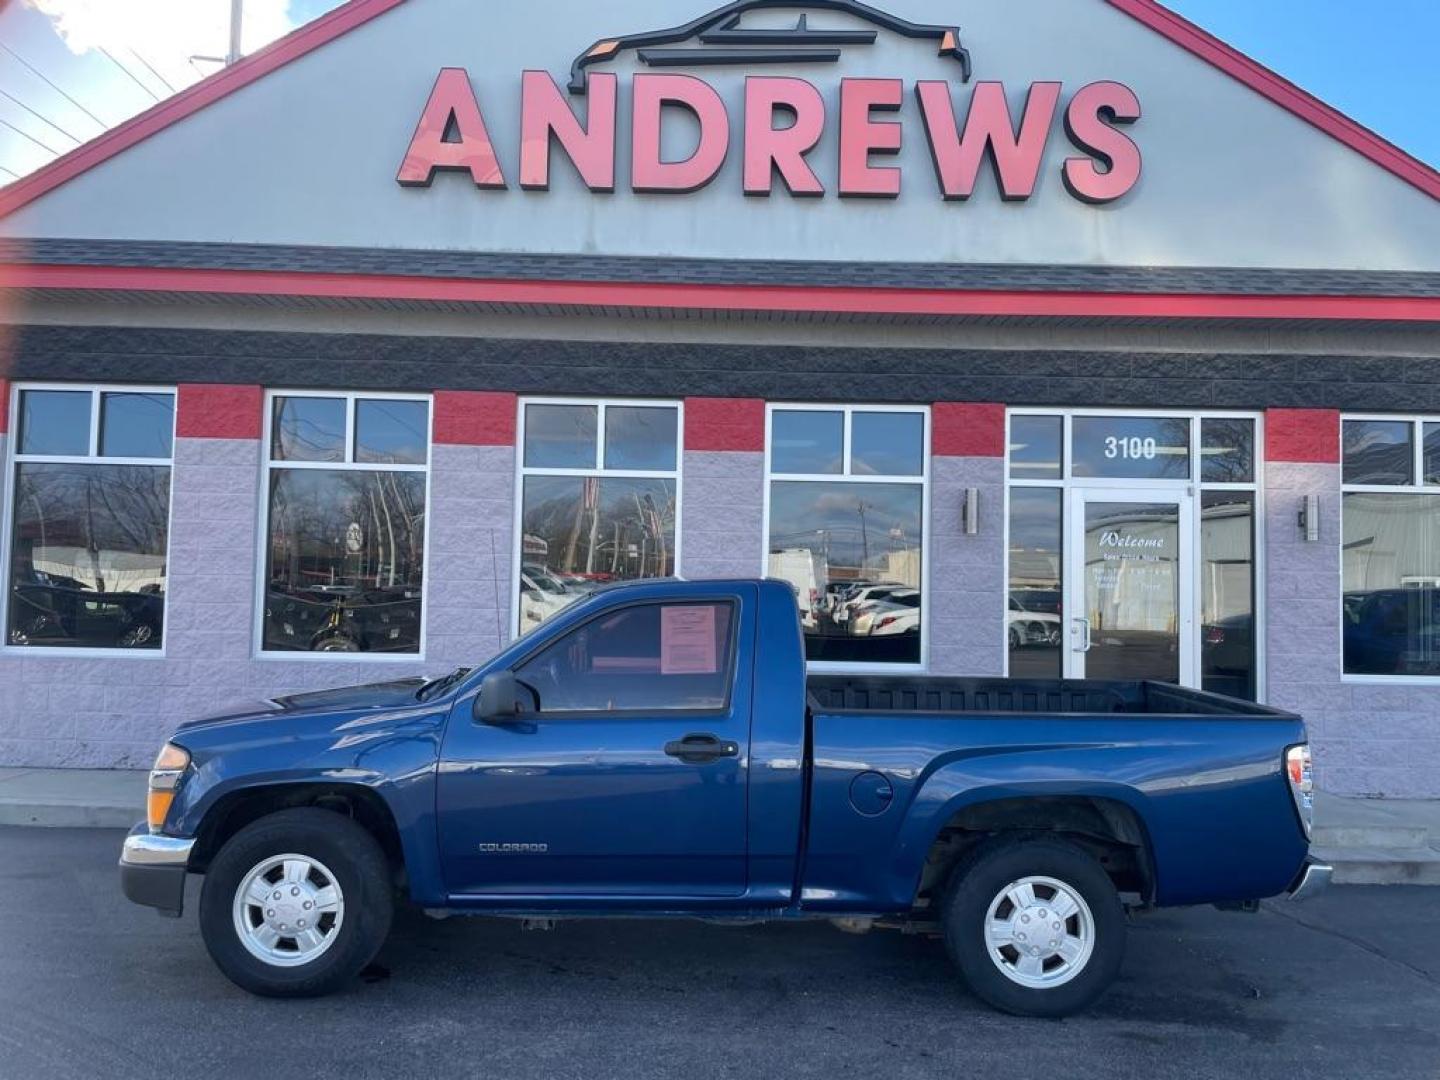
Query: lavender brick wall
x,y
723,517
1302,607
115,711
471,552
967,573
1368,739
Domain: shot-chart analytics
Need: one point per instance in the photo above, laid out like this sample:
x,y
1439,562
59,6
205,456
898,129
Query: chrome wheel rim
x,y
1039,932
288,910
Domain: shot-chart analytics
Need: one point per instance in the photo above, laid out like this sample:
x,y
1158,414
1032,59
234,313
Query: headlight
x,y
170,765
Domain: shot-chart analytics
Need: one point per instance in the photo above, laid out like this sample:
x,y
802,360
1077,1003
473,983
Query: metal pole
x,y
237,20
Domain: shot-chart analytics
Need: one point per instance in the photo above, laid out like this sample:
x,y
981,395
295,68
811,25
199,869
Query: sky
x,y
106,60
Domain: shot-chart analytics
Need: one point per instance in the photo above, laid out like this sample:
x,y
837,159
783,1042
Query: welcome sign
x,y
784,117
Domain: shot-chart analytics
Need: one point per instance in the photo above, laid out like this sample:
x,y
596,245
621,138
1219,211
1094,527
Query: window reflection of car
x,y
870,594
343,618
1228,647
899,613
1392,631
51,609
542,596
1045,601
1027,627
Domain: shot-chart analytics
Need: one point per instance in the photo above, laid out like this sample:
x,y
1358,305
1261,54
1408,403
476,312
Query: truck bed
x,y
1080,697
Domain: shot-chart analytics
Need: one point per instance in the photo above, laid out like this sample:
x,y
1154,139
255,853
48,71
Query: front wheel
x,y
1034,925
296,903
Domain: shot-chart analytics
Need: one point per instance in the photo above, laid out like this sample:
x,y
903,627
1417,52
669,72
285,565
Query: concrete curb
x,y
72,798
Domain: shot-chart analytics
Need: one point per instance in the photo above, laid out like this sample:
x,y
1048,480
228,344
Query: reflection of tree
x,y
106,511
316,514
591,525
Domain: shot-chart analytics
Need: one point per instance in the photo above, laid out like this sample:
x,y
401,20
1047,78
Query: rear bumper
x,y
1315,878
152,869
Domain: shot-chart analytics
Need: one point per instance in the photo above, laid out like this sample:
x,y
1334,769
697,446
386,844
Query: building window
x,y
346,482
1120,566
90,517
599,499
846,516
1390,546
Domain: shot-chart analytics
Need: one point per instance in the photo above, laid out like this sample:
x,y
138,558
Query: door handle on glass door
x,y
1083,626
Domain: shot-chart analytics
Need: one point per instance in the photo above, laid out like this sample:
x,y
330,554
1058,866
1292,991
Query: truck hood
x,y
350,699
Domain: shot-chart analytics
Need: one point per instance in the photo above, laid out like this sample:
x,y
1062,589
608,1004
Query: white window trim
x,y
1417,421
1194,485
13,457
262,542
517,531
922,479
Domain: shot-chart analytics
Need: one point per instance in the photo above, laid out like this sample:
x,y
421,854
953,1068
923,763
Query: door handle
x,y
699,749
1083,625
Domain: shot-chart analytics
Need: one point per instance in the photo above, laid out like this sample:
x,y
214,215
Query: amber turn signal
x,y
157,805
170,765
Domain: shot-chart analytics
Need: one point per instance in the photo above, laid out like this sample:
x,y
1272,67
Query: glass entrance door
x,y
1129,604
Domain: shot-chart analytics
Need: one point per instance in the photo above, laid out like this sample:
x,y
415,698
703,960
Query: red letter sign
x,y
860,136
1085,123
988,129
767,148
591,149
451,111
648,172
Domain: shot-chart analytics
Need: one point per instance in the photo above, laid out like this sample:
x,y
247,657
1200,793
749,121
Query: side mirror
x,y
498,702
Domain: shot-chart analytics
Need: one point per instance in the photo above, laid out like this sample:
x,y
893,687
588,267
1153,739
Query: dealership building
x,y
1041,338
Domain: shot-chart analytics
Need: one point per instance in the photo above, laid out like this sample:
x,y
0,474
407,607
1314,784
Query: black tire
x,y
361,871
983,875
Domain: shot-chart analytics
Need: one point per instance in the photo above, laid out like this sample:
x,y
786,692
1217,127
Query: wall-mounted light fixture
x,y
972,511
1310,518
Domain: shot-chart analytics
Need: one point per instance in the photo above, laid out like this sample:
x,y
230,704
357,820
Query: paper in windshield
x,y
687,640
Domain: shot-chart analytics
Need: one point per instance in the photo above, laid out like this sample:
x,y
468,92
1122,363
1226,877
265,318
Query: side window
x,y
644,658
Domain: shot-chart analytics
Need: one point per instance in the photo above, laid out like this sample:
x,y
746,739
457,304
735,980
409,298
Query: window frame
x,y
1417,422
734,600
262,543
1193,487
14,458
599,471
924,480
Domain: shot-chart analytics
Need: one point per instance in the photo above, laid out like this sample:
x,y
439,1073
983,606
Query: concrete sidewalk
x,y
1369,841
72,798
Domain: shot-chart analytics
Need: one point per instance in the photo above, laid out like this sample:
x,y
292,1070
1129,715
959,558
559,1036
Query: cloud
x,y
168,29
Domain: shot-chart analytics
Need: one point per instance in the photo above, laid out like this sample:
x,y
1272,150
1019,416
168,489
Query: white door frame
x,y
1078,635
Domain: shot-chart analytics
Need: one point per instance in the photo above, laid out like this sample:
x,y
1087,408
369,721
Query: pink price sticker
x,y
687,640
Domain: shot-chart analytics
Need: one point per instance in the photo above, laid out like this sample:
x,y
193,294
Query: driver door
x,y
625,773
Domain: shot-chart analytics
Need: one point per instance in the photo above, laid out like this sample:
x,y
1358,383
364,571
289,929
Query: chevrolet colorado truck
x,y
657,750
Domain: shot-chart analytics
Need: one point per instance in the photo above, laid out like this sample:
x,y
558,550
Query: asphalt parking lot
x,y
1347,985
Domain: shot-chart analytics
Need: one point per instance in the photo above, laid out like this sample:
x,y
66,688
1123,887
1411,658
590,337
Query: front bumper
x,y
152,869
1315,878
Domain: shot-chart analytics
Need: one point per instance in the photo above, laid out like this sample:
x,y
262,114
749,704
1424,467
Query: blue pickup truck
x,y
658,750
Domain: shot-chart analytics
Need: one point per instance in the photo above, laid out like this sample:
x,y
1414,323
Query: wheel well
x,y
238,809
1105,828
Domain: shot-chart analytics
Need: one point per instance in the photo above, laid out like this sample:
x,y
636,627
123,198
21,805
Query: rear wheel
x,y
1034,925
296,904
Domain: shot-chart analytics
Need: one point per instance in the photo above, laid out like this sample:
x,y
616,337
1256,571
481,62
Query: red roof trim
x,y
1283,92
797,298
191,100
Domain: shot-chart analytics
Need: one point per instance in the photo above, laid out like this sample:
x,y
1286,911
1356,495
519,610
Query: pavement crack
x,y
1359,943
